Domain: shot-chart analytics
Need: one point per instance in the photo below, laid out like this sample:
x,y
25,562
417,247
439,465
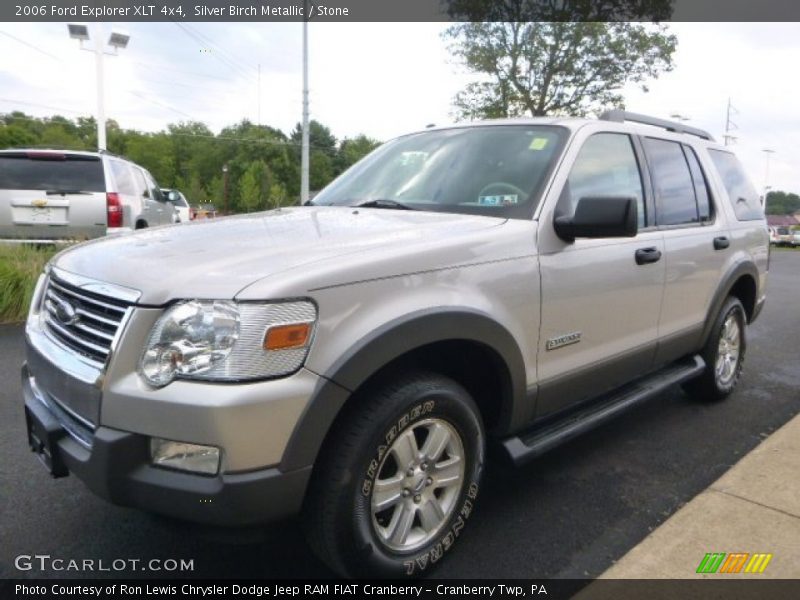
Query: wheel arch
x,y
463,344
740,281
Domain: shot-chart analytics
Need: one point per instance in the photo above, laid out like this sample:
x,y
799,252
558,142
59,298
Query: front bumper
x,y
116,467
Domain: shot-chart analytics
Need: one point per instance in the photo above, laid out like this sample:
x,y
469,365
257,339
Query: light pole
x,y
768,152
117,40
304,160
225,188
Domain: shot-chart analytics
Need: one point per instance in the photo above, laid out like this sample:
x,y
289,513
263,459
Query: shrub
x,y
20,267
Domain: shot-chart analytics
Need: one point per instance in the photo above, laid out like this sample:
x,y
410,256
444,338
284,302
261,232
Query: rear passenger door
x,y
696,242
600,305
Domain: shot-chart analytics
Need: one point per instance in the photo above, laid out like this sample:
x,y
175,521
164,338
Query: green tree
x,y
277,195
251,197
351,150
547,68
782,203
15,136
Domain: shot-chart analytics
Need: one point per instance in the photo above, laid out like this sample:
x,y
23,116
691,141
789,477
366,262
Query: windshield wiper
x,y
383,203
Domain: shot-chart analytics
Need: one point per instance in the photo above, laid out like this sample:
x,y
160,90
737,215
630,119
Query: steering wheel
x,y
502,188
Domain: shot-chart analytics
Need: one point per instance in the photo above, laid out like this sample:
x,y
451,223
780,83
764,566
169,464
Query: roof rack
x,y
620,116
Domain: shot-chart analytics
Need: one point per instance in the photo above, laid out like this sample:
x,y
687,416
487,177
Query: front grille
x,y
93,323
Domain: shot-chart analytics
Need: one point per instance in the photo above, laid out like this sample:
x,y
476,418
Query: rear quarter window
x,y
741,193
123,178
51,171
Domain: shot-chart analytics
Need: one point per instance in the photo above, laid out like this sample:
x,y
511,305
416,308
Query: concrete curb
x,y
753,508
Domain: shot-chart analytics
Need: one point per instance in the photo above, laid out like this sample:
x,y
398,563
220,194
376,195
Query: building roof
x,y
782,220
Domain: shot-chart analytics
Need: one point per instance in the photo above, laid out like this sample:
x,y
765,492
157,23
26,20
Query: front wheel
x,y
398,478
723,353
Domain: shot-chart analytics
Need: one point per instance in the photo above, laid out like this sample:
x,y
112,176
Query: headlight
x,y
227,341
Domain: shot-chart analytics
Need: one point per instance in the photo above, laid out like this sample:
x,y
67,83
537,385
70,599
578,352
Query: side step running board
x,y
530,444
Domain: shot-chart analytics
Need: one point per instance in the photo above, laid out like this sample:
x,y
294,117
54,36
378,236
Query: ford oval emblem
x,y
66,313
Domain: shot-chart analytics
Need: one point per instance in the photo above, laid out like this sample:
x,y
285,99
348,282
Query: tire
x,y
359,497
723,353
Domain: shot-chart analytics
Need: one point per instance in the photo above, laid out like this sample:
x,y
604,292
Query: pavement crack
x,y
767,506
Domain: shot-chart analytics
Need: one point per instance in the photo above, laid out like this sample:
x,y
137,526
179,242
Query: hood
x,y
217,258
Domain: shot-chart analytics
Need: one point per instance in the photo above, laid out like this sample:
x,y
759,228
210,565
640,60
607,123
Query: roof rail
x,y
620,116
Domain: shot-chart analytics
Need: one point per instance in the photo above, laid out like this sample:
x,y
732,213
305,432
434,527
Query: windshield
x,y
495,170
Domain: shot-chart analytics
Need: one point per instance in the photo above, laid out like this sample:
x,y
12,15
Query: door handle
x,y
720,243
647,255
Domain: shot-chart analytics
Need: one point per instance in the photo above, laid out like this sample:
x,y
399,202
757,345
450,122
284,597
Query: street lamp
x,y
118,40
680,117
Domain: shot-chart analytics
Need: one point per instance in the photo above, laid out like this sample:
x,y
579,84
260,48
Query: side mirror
x,y
599,217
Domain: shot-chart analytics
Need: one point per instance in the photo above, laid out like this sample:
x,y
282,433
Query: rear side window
x,y
51,171
606,166
676,203
141,184
123,178
741,193
700,185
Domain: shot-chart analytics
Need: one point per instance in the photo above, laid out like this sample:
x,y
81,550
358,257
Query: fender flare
x,y
389,342
730,278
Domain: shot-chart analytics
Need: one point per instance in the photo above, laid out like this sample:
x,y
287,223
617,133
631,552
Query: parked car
x,y
515,282
53,195
204,211
183,211
785,236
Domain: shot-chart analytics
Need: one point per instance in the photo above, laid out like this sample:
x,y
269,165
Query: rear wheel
x,y
397,479
723,353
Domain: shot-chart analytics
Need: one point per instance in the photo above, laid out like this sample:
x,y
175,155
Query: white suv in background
x,y
57,195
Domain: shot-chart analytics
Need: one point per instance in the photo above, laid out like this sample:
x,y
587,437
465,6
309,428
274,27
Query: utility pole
x,y
225,187
259,94
730,125
304,152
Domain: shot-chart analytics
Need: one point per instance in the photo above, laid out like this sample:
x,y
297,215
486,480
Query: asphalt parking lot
x,y
569,514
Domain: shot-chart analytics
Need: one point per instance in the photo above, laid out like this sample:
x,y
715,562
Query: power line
x,y
34,104
216,46
162,105
23,42
225,61
183,71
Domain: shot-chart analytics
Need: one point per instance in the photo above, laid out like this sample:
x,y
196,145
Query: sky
x,y
385,79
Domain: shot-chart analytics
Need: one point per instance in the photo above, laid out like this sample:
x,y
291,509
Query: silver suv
x,y
514,282
65,195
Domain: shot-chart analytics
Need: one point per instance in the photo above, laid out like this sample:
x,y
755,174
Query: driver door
x,y
600,303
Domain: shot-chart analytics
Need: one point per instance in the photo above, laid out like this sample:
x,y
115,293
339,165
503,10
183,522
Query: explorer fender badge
x,y
563,340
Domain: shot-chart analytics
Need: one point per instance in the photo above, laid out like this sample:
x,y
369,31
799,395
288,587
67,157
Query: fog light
x,y
184,457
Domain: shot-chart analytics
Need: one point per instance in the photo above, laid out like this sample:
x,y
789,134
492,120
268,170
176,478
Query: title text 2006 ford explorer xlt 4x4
x,y
513,281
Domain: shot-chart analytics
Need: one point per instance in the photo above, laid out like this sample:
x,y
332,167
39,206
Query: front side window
x,y
495,170
741,193
676,203
606,167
